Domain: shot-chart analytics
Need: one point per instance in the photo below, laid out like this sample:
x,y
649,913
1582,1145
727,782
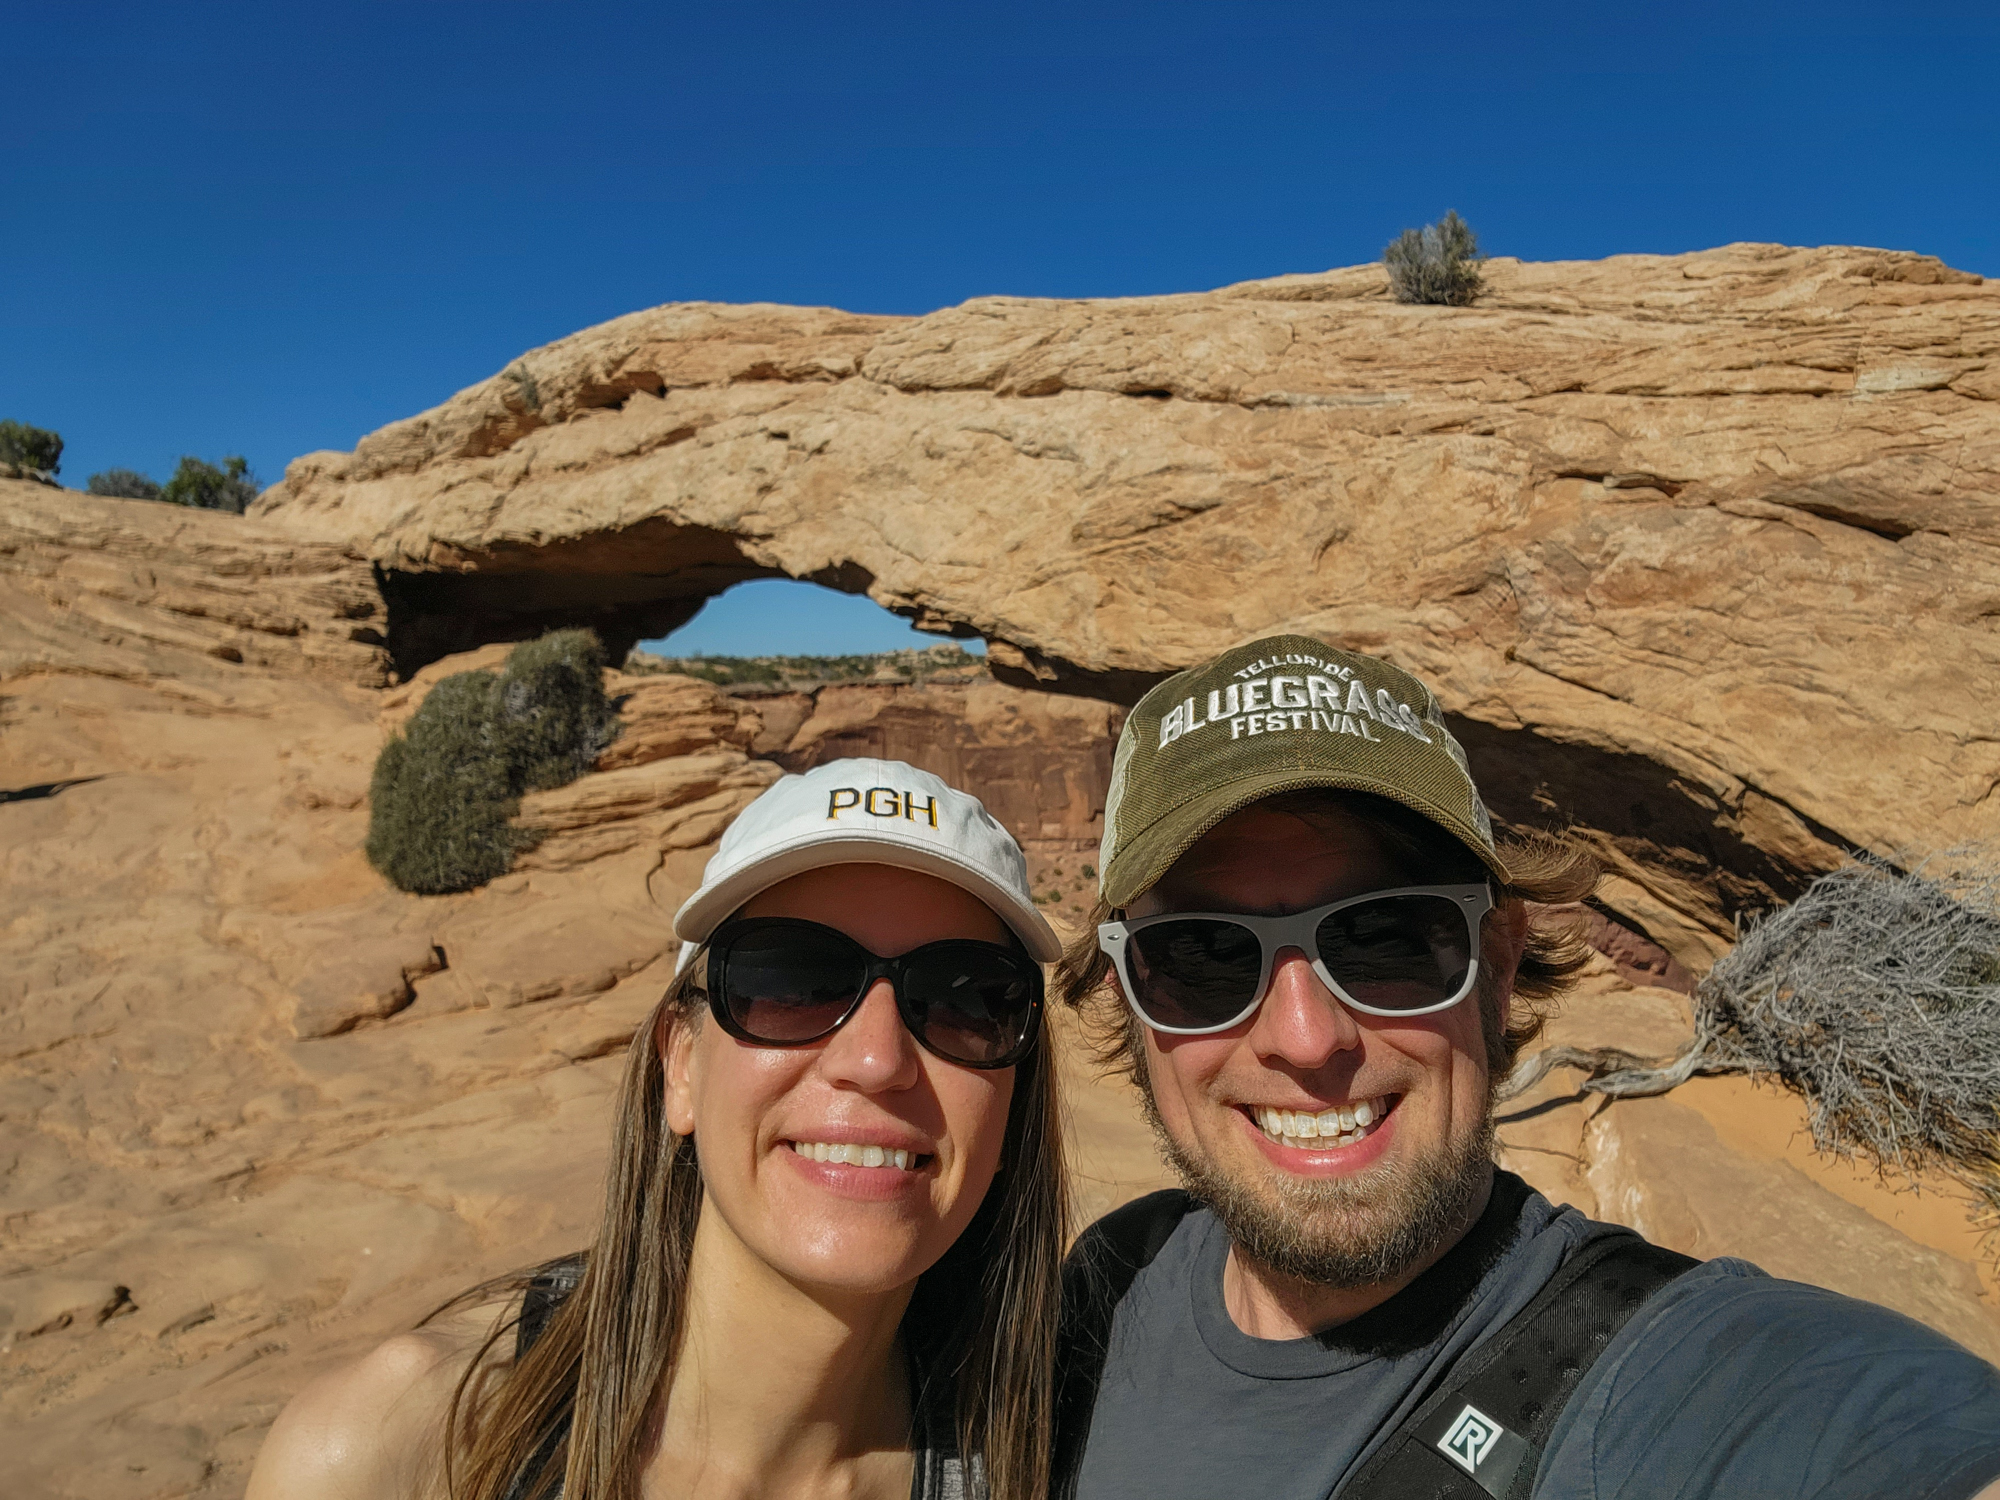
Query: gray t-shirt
x,y
1728,1383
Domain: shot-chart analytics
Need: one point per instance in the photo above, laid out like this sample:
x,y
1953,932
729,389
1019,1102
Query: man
x,y
1316,961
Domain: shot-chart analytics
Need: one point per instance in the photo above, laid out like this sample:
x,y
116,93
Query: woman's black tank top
x,y
938,1473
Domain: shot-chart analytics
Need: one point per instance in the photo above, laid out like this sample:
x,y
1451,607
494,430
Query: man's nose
x,y
1301,1021
874,1052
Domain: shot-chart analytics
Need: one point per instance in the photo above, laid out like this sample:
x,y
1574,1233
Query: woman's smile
x,y
865,1174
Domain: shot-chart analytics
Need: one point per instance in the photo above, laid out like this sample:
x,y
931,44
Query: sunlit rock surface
x,y
1703,551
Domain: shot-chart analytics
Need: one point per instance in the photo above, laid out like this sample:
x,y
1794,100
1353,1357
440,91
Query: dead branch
x,y
1876,997
1615,1072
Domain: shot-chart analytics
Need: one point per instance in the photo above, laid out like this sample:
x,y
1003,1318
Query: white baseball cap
x,y
867,812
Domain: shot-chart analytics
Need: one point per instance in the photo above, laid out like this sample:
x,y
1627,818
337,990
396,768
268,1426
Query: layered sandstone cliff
x,y
1702,551
140,591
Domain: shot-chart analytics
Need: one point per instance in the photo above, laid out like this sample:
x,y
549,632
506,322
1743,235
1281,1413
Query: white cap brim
x,y
710,906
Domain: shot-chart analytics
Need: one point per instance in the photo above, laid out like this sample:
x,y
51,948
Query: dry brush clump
x,y
444,792
123,484
1437,265
1876,997
29,452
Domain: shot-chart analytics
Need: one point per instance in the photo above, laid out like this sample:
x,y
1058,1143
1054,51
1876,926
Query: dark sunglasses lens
x,y
1398,953
1192,974
791,983
970,1002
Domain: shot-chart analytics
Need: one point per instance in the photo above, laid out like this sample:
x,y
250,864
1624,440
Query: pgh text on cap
x,y
1274,716
873,812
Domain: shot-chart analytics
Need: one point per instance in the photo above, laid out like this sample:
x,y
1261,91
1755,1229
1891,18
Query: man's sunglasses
x,y
786,982
1406,952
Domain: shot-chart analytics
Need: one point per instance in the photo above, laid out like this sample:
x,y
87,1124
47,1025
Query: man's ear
x,y
675,1039
1503,941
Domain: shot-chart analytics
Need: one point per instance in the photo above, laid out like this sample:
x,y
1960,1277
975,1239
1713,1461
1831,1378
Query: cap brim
x,y
1153,852
709,907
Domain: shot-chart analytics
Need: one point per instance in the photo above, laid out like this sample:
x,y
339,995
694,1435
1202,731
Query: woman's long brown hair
x,y
574,1409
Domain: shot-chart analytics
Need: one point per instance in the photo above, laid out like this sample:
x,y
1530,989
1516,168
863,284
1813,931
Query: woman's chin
x,y
850,1243
854,1264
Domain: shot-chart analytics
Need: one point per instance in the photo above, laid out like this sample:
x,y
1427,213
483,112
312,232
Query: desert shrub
x,y
441,797
1438,264
553,711
1876,998
205,487
125,484
445,791
26,447
795,671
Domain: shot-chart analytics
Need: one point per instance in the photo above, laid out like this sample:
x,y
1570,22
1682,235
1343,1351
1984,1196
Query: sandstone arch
x,y
1701,549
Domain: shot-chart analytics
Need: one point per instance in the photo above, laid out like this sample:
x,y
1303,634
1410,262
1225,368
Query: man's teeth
x,y
857,1156
1343,1126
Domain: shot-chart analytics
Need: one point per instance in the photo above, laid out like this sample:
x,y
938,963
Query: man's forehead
x,y
1274,858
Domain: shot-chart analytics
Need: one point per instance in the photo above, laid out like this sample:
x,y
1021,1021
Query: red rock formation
x,y
1700,549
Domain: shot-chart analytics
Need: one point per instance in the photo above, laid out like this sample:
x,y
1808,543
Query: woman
x,y
834,1206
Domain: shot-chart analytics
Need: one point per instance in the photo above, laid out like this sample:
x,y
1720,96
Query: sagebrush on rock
x,y
1876,997
441,798
30,450
445,791
556,717
124,484
1438,264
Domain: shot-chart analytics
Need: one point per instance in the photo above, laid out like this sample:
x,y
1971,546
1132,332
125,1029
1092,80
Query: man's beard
x,y
1348,1232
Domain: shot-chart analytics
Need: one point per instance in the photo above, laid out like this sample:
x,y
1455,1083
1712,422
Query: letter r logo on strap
x,y
1470,1439
1481,1446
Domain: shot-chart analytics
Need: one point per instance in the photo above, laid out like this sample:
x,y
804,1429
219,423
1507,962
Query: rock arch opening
x,y
642,582
790,617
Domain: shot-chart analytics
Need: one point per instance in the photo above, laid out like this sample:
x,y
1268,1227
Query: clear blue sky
x,y
265,229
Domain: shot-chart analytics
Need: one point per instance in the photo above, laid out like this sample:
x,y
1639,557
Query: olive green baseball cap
x,y
1277,715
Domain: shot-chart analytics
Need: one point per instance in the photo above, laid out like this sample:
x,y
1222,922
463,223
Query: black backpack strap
x,y
1100,1269
547,1290
1479,1435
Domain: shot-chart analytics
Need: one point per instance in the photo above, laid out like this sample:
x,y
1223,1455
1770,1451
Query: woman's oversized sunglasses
x,y
787,982
1405,952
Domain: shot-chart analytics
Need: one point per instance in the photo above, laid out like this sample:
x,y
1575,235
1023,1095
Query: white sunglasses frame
x,y
1296,930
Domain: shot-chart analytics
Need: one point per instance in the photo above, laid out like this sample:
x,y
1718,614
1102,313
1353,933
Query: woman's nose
x,y
874,1050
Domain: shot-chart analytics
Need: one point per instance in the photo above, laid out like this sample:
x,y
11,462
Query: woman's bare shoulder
x,y
366,1429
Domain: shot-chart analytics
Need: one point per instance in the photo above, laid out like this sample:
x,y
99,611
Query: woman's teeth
x,y
857,1156
1343,1126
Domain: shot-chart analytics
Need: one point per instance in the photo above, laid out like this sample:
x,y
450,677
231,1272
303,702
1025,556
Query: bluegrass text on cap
x,y
1277,715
